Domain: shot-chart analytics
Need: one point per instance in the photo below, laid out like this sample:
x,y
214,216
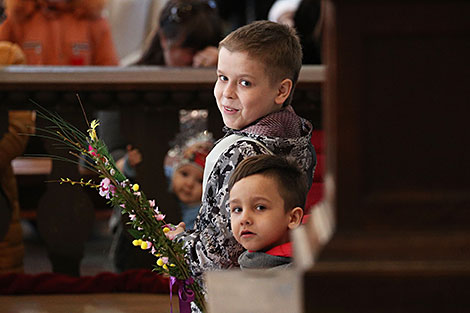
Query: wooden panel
x,y
396,115
397,160
388,288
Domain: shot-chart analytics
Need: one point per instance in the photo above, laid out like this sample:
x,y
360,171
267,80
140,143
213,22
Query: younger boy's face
x,y
258,219
187,184
243,90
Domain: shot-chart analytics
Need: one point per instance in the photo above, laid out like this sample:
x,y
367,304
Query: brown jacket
x,y
12,144
60,33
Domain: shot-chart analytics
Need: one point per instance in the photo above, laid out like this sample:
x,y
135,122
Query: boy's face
x,y
259,221
243,90
187,184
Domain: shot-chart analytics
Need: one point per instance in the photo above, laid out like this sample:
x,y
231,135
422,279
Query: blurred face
x,y
187,184
243,90
175,55
259,221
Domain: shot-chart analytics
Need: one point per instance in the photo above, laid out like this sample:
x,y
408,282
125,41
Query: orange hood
x,y
19,10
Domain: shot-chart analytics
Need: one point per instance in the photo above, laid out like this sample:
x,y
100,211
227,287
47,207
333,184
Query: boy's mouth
x,y
229,110
246,233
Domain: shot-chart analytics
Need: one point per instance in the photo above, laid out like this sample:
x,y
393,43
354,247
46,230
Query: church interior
x,y
389,209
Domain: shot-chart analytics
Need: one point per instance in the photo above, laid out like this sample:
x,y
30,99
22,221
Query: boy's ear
x,y
284,89
295,216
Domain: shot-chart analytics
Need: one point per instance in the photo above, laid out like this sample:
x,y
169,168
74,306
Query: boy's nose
x,y
229,91
246,219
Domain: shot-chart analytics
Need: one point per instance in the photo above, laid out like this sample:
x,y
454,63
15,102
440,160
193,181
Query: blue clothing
x,y
189,214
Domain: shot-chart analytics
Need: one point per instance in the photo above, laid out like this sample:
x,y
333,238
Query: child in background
x,y
184,168
267,196
59,32
257,70
187,35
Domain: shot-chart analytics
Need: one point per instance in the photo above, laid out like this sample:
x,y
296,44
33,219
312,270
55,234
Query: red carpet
x,y
144,281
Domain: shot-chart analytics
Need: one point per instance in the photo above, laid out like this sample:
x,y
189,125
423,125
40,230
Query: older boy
x,y
257,70
267,196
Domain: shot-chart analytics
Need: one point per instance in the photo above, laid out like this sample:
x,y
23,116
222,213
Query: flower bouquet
x,y
147,222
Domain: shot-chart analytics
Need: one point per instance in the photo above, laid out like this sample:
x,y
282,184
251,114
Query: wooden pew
x,y
31,173
149,99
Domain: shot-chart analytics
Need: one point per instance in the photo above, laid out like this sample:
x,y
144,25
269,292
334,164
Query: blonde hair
x,y
277,46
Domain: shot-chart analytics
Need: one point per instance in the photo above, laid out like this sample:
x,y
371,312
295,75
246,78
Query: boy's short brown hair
x,y
291,181
277,46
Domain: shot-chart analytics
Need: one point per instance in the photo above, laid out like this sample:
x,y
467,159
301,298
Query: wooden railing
x,y
149,99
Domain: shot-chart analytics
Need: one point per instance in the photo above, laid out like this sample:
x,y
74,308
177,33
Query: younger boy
x,y
267,194
257,70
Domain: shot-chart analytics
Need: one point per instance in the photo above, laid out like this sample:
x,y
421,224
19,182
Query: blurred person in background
x,y
187,34
59,32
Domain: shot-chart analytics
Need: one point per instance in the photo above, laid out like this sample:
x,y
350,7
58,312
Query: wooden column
x,y
398,158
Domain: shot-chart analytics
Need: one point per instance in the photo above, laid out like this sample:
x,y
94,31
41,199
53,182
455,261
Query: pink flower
x,y
92,150
152,203
132,217
106,188
112,189
160,217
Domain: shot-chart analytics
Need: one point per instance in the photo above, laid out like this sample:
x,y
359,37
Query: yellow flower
x,y
144,245
172,265
94,124
166,229
92,131
137,242
160,262
135,187
165,267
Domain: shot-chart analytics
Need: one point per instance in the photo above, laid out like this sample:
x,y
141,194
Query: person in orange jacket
x,y
60,32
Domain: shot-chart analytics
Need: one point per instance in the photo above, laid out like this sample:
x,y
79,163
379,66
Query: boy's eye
x,y
245,83
236,210
223,78
260,208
